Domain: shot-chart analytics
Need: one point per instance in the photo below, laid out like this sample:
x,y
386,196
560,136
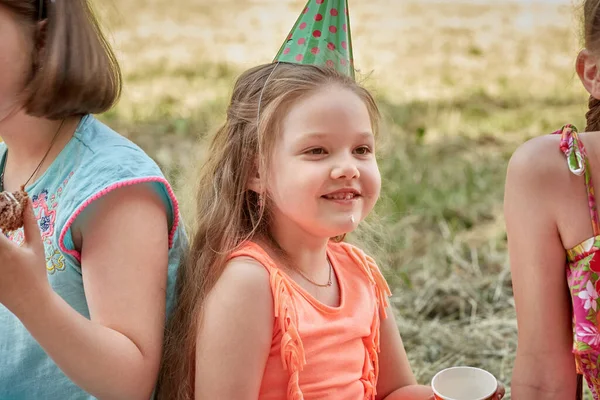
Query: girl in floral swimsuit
x,y
553,239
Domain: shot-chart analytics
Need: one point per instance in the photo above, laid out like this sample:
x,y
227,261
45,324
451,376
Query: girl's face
x,y
16,49
324,177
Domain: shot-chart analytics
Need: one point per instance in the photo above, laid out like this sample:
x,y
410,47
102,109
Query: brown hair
x,y
591,20
75,72
227,211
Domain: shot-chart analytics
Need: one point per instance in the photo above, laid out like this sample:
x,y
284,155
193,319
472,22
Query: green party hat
x,y
321,36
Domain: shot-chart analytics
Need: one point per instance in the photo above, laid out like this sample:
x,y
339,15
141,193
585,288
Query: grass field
x,y
460,84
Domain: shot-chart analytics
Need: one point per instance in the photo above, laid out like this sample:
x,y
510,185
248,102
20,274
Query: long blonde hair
x,y
228,213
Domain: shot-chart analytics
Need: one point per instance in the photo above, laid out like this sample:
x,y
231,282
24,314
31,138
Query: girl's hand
x,y
23,276
501,391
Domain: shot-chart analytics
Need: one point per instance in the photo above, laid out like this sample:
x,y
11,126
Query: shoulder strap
x,y
254,251
293,356
578,162
371,270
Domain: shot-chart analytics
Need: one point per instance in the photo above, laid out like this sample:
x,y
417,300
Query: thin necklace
x,y
39,165
329,282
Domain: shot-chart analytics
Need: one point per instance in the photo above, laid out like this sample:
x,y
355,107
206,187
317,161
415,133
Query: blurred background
x,y
460,84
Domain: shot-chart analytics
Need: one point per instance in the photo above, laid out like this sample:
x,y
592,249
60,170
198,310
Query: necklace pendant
x,y
329,283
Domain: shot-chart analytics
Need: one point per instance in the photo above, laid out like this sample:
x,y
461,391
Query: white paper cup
x,y
464,383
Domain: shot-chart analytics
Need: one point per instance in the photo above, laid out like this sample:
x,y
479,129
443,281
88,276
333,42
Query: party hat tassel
x,y
321,36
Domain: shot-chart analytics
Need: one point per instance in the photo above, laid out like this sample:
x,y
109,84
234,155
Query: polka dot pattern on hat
x,y
321,36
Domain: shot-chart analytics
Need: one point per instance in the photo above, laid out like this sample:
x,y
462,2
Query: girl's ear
x,y
255,183
41,35
587,69
41,40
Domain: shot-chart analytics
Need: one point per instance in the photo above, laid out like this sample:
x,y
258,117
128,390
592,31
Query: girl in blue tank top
x,y
87,283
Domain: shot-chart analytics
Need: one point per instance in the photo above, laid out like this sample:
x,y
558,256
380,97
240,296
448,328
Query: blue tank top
x,y
94,162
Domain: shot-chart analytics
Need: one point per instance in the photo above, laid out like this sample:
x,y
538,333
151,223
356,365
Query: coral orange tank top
x,y
318,351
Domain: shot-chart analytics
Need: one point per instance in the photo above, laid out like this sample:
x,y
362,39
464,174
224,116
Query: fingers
x,y
501,392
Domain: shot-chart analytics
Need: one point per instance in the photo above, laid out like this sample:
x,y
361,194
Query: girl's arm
x,y
544,366
124,257
396,380
235,334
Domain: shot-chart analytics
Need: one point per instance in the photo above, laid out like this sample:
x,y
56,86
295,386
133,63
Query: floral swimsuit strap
x,y
578,162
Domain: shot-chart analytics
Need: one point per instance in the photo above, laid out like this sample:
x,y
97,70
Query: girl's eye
x,y
363,150
317,151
